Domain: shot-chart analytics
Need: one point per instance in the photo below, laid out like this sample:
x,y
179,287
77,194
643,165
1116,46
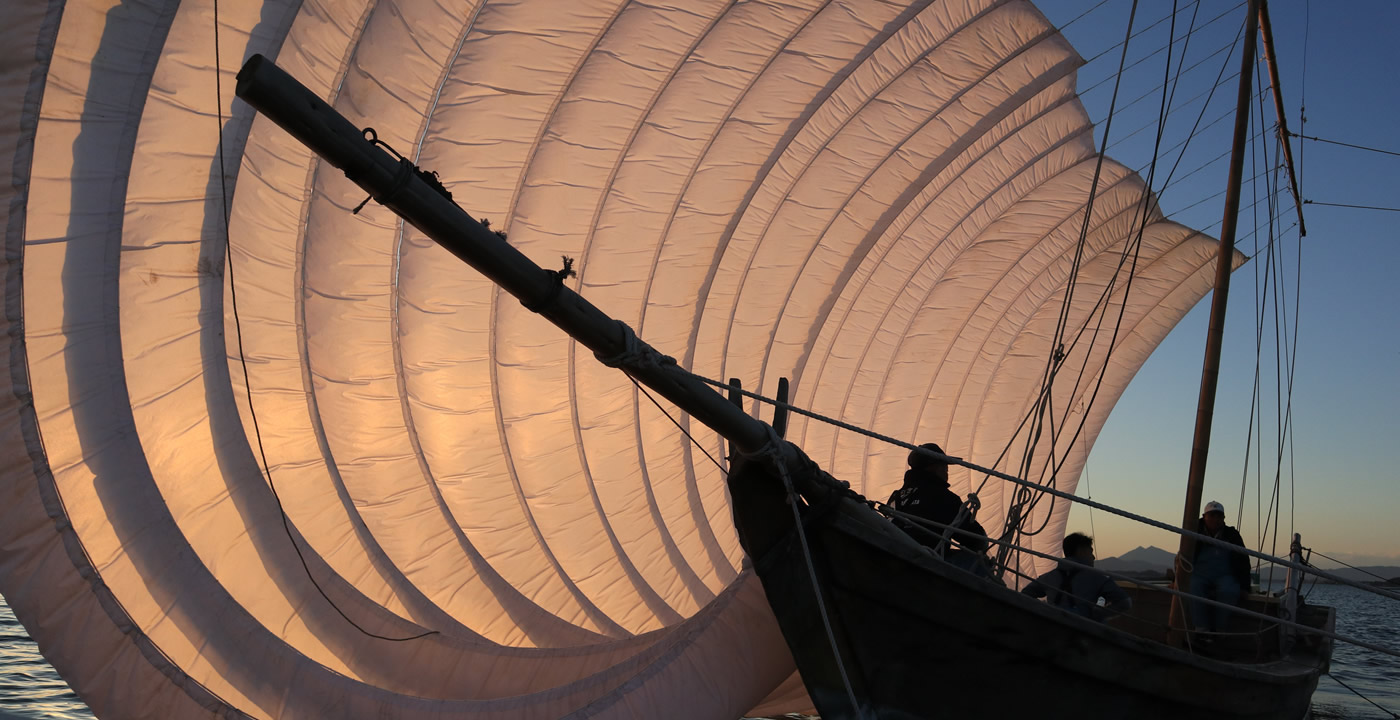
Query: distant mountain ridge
x,y
1140,559
1154,560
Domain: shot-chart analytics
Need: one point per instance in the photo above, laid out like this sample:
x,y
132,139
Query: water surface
x,y
30,688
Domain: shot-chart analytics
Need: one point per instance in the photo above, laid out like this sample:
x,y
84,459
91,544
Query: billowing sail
x,y
248,483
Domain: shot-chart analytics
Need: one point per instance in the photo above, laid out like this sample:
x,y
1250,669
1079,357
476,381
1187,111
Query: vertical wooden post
x,y
1210,371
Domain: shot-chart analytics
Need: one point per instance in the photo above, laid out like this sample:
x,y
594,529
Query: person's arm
x,y
1239,562
1116,600
1035,589
976,541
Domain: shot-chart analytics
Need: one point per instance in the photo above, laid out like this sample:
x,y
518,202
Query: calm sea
x,y
31,689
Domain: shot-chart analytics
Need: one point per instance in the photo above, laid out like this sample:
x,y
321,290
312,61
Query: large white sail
x,y
877,200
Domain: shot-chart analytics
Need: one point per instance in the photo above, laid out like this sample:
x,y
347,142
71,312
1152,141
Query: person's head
x,y
1214,516
928,463
1079,547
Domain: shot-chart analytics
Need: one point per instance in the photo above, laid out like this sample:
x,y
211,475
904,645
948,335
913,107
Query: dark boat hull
x,y
919,638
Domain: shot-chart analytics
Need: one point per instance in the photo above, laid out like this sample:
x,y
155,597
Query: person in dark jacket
x,y
926,495
1217,573
1076,587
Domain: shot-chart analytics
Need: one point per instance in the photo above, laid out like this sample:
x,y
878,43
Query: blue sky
x,y
1340,485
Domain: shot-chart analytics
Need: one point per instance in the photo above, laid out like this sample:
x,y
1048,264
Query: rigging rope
x,y
1167,183
1182,146
1258,353
1343,144
1022,497
243,360
1057,493
1353,567
1172,591
1231,11
774,458
1134,248
1356,207
948,530
1363,697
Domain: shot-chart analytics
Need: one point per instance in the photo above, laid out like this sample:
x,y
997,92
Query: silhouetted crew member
x,y
1076,586
926,495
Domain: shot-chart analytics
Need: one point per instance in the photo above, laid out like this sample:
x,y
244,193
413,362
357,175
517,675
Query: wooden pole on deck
x,y
1210,371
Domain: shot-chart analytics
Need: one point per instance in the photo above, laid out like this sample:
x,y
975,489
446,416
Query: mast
x,y
1210,371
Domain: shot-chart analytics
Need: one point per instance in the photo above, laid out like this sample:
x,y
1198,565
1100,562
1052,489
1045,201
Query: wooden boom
x,y
400,186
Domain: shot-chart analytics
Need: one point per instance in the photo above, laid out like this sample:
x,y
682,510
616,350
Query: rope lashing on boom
x,y
406,171
634,353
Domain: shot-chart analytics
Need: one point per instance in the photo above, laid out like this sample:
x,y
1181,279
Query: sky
x,y
1339,483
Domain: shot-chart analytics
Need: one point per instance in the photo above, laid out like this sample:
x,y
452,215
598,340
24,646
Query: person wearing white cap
x,y
1217,573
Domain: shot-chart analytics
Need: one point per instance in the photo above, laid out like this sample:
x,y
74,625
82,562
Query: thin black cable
x,y
1363,697
1196,128
675,422
1134,247
1289,356
1082,15
1271,518
1290,227
1213,196
1227,80
1270,271
1088,493
1353,567
1280,340
1022,495
1256,389
1350,145
1110,48
1293,368
242,359
1166,48
1357,207
1103,297
1303,88
1031,505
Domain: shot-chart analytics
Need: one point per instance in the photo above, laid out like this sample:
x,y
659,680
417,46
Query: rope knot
x,y
556,283
487,224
